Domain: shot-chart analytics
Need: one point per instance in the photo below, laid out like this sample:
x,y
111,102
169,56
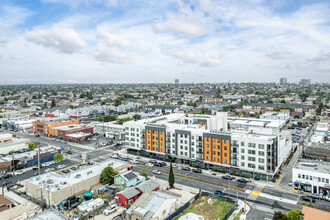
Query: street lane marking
x,y
260,186
255,193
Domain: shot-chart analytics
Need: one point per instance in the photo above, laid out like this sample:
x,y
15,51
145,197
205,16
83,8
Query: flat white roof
x,y
55,181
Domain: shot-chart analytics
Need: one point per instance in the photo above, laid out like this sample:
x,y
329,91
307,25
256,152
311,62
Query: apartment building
x,y
47,125
203,140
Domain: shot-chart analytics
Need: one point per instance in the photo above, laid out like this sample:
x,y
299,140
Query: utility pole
x,y
13,162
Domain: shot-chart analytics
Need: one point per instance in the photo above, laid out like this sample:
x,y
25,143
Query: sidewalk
x,y
239,211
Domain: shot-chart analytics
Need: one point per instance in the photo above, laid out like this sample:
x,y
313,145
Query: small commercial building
x,y
46,125
312,176
57,186
74,133
5,203
8,143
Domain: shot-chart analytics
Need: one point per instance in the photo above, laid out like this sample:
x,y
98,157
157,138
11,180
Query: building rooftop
x,y
78,134
54,181
49,215
69,127
313,165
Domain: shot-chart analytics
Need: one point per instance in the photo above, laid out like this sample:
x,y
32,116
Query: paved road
x,y
261,207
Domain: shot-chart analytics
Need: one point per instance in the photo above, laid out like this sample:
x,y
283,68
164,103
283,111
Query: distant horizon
x,y
113,41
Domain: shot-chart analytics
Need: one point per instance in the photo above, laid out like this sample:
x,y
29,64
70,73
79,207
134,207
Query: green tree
x,y
145,175
14,135
171,178
107,175
294,214
32,146
58,157
122,120
180,102
53,104
279,216
117,102
45,105
107,118
137,117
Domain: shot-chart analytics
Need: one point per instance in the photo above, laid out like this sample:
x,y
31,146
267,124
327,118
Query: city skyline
x,y
96,41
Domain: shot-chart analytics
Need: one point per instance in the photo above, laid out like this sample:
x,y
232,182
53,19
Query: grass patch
x,y
217,209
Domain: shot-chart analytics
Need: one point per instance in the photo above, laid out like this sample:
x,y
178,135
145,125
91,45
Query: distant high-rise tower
x,y
305,81
176,81
283,81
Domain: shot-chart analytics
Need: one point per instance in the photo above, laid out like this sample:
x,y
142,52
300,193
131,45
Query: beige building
x,y
55,187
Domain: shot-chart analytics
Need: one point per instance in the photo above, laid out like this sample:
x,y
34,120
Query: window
x,y
252,145
218,153
186,154
192,143
251,159
242,150
225,148
225,161
261,153
261,160
207,145
207,158
242,164
303,176
192,149
192,155
327,180
173,152
193,137
225,155
299,175
251,152
323,180
242,157
261,167
218,159
261,146
318,179
250,165
181,141
310,177
242,143
181,153
213,146
214,159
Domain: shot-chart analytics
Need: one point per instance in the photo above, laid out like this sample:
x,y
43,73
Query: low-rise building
x,y
56,186
312,176
111,130
127,179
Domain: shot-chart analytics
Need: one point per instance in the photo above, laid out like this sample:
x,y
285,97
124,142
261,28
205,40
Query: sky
x,y
157,41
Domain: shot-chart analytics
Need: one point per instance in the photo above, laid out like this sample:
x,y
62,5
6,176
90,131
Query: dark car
x,y
307,198
315,196
164,164
241,180
7,183
185,168
8,175
66,171
219,193
69,152
227,177
158,165
152,161
197,170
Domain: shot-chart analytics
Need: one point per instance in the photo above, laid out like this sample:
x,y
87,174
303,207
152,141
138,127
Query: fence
x,y
203,193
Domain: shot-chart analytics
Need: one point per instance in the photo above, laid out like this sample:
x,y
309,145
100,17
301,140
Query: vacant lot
x,y
213,210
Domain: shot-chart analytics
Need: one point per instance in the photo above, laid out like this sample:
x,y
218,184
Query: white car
x,y
60,166
19,172
114,156
327,198
156,172
150,164
110,209
134,161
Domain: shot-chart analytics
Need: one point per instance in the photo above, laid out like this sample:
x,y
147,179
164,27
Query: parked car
x,y
241,180
110,209
158,165
74,168
152,161
7,183
150,164
36,167
316,196
307,198
163,163
156,172
197,170
66,171
60,166
114,155
185,168
19,172
219,193
290,183
36,174
134,161
227,177
8,175
327,198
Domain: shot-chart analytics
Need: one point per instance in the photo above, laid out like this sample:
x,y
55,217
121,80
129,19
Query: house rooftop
x,y
313,165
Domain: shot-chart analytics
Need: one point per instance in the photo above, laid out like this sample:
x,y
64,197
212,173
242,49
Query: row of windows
x,y
156,143
319,179
155,132
253,152
253,145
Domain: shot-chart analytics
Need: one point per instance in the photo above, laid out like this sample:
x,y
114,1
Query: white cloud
x,y
189,56
279,53
186,22
322,56
112,39
110,54
65,40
